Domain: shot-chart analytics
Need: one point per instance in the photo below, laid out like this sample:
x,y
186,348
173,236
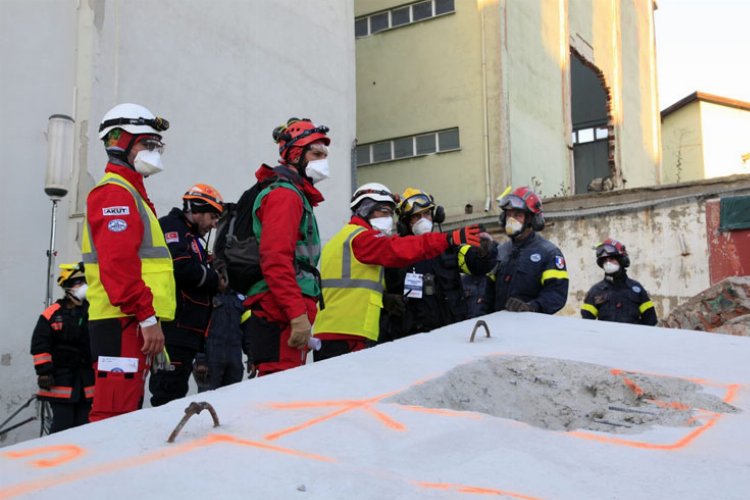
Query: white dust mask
x,y
148,162
80,292
383,224
317,170
513,227
422,226
610,267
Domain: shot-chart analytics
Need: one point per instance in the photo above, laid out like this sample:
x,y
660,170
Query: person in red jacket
x,y
283,304
353,274
128,265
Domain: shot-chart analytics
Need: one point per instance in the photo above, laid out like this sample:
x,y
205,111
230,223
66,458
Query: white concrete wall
x,y
726,137
224,73
667,244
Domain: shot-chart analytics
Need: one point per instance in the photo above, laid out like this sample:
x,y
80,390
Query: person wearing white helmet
x,y
352,267
128,264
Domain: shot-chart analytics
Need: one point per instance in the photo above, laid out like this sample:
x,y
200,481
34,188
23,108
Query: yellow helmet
x,y
414,201
70,272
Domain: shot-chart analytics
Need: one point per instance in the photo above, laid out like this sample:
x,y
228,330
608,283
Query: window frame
x,y
436,147
389,17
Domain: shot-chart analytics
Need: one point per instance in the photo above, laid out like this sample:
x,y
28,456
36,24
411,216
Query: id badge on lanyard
x,y
413,284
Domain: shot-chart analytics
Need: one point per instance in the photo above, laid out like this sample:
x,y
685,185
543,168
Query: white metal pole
x,y
51,253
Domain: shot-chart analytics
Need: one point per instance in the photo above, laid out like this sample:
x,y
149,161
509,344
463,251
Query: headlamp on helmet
x,y
298,133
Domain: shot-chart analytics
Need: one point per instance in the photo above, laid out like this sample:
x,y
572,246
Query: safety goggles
x,y
317,130
74,282
157,123
512,202
416,203
152,144
396,198
607,250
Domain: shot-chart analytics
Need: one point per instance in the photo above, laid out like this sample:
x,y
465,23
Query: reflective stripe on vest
x,y
352,290
40,359
156,262
56,391
88,392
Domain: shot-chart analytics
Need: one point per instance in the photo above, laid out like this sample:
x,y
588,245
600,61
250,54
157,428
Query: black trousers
x,y
66,415
168,385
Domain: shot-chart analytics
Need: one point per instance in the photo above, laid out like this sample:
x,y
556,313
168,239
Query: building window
x,y
591,134
441,141
402,16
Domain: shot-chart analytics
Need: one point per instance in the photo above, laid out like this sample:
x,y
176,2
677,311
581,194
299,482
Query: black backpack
x,y
236,251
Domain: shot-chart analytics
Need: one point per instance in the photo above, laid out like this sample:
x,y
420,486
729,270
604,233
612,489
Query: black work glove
x,y
468,235
200,369
45,381
486,244
518,305
393,303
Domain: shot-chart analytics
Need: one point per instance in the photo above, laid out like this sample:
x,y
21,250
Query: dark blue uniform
x,y
532,270
622,300
60,346
196,284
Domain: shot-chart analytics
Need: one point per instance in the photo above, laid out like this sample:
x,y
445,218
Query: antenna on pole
x,y
59,168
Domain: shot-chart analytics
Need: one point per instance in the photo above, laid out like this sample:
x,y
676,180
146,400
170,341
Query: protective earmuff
x,y
438,217
537,221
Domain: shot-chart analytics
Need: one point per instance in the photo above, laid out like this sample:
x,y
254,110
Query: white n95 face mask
x,y
148,162
611,267
317,170
383,224
422,226
513,227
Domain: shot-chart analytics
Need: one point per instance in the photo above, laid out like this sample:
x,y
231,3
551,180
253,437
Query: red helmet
x,y
203,198
612,248
298,133
522,198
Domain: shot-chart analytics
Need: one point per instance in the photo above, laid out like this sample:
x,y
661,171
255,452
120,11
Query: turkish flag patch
x,y
172,237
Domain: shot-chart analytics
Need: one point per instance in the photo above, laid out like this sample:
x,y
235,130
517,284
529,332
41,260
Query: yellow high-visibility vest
x,y
352,291
156,262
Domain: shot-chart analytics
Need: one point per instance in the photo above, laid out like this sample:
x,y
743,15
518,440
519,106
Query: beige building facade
x,y
463,98
705,136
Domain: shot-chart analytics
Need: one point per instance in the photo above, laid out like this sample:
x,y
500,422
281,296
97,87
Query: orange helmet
x,y
203,198
298,133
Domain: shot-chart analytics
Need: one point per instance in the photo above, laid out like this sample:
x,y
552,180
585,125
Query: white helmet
x,y
132,118
374,191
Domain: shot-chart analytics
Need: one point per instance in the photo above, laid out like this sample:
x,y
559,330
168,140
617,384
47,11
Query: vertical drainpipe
x,y
656,115
353,167
565,92
485,118
504,171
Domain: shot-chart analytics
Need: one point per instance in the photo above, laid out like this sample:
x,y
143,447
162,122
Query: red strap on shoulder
x,y
50,311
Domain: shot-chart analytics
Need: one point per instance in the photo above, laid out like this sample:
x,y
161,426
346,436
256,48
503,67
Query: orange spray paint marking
x,y
631,385
67,452
711,419
345,407
155,456
473,490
